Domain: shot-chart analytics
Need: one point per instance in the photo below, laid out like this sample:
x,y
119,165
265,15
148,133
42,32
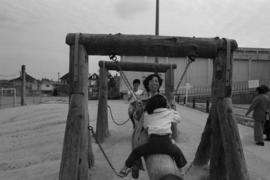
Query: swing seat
x,y
159,165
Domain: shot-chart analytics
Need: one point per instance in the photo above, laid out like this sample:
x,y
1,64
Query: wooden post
x,y
22,85
91,157
14,97
169,90
193,103
217,160
102,130
207,105
74,163
227,158
1,97
202,155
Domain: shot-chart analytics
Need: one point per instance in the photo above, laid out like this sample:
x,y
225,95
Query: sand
x,y
31,140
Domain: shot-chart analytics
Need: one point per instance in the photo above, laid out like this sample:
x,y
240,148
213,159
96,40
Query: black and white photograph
x,y
134,89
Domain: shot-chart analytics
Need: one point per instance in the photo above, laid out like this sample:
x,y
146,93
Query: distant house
x,y
63,87
31,84
64,79
47,86
5,84
93,85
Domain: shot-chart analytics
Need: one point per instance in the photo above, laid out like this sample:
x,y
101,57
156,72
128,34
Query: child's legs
x,y
143,150
258,131
174,151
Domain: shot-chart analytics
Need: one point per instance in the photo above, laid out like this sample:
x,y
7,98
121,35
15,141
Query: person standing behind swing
x,y
259,106
136,90
139,94
157,122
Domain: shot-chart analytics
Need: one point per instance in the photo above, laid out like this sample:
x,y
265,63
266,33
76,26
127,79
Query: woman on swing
x,y
157,123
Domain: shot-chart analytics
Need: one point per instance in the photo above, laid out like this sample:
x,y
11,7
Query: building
x,y
249,64
31,84
47,86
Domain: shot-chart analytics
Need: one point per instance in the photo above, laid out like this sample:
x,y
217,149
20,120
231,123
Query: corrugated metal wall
x,y
249,64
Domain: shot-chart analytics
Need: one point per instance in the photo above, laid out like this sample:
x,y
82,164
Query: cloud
x,y
128,8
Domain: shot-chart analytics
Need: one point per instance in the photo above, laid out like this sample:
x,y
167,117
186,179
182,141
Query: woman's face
x,y
153,85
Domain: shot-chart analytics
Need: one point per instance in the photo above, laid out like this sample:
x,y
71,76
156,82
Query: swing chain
x,y
91,129
190,60
113,57
112,117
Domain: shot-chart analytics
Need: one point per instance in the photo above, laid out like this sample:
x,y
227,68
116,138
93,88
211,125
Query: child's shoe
x,y
124,172
135,172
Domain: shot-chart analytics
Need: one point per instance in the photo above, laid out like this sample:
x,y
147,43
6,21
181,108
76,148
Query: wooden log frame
x,y
220,141
77,153
226,154
148,45
102,129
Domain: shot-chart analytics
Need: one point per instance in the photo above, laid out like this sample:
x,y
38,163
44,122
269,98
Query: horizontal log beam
x,y
149,45
133,66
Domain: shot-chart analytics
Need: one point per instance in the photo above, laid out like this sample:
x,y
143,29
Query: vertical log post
x,y
14,98
202,155
22,85
1,97
74,163
91,157
193,103
227,158
169,90
207,105
102,129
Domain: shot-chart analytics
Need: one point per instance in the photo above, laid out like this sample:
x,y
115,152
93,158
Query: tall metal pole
x,y
157,24
157,18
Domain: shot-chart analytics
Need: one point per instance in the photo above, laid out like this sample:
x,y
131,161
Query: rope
x,y
123,76
118,124
190,60
90,128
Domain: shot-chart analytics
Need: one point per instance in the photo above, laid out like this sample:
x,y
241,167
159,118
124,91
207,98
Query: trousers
x,y
157,144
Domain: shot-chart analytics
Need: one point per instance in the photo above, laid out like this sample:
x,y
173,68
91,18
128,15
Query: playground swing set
x,y
220,142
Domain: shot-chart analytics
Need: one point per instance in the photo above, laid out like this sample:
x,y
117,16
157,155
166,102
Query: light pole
x,y
157,18
157,24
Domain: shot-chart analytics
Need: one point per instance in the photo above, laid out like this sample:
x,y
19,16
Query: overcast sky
x,y
32,32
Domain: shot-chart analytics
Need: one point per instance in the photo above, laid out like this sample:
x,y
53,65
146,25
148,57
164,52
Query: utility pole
x,y
157,18
22,84
157,24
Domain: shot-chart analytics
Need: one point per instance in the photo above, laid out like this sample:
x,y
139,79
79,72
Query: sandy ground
x,y
31,139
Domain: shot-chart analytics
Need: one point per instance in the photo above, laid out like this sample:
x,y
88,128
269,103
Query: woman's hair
x,y
156,101
149,78
262,89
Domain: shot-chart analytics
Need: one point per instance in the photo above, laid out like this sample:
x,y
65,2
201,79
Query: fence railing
x,y
237,87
